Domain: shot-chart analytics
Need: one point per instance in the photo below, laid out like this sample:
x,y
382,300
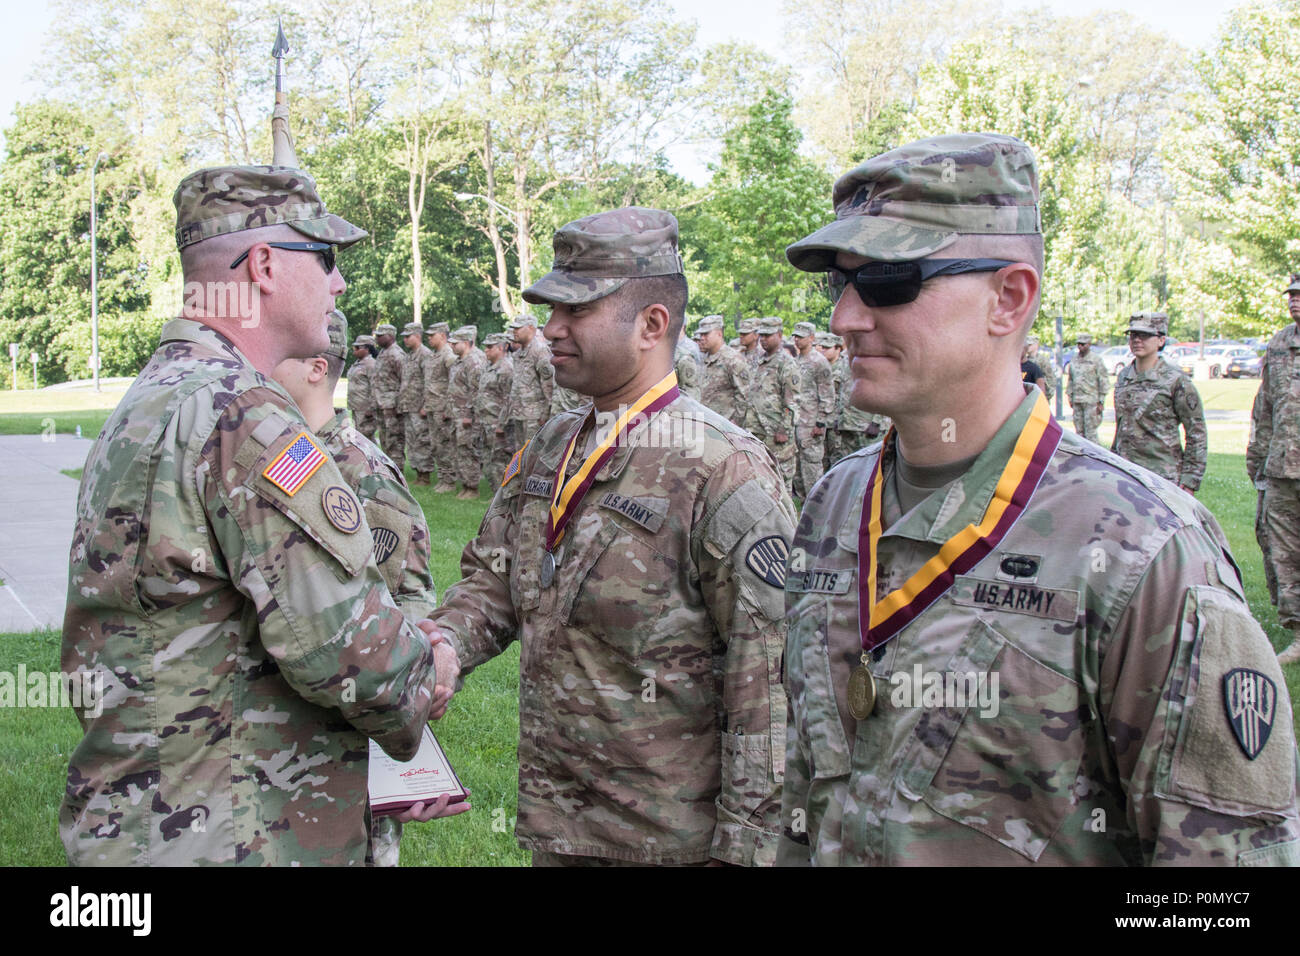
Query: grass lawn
x,y
481,729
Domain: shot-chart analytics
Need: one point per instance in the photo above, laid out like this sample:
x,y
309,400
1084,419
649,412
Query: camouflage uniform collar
x,y
550,457
332,431
189,330
941,516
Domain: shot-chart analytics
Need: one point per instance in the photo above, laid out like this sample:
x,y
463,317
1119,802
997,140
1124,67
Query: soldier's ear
x,y
1015,288
653,322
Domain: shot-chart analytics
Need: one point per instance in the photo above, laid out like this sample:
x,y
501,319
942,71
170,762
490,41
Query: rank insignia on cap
x,y
385,542
341,508
767,559
293,466
1250,699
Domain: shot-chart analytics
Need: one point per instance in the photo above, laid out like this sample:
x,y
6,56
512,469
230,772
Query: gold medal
x,y
862,691
548,568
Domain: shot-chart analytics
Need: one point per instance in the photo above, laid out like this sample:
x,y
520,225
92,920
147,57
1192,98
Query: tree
x,y
762,197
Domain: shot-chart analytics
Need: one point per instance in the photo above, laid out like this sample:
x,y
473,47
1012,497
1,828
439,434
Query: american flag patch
x,y
512,469
293,466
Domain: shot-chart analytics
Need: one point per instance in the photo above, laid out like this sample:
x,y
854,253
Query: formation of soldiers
x,y
451,408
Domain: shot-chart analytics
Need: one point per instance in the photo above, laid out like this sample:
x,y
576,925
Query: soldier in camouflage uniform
x,y
395,518
773,387
1087,385
1064,667
386,381
1043,359
361,397
650,632
726,373
1274,456
533,383
222,576
462,389
1255,458
687,363
413,401
851,428
442,424
814,409
490,407
1152,399
749,348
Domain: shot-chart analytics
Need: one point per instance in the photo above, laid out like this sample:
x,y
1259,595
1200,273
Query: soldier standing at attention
x,y
687,364
222,575
395,518
361,393
387,381
726,372
1152,399
490,407
462,389
442,427
1006,644
1274,456
1043,359
773,388
413,401
749,348
533,383
1087,388
814,408
641,579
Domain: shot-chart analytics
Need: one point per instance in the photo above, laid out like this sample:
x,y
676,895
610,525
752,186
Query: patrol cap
x,y
1083,339
387,328
466,333
521,320
413,328
745,326
767,326
827,340
803,330
337,329
915,200
362,341
226,199
596,255
1295,284
1156,323
497,338
442,327
710,323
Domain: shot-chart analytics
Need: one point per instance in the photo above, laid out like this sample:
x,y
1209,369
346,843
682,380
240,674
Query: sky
x,y
1191,22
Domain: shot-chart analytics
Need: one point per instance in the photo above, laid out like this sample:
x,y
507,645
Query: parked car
x,y
1218,357
1245,362
1116,357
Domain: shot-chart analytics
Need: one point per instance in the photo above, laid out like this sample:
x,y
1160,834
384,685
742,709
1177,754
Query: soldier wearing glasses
x,y
1152,401
1006,645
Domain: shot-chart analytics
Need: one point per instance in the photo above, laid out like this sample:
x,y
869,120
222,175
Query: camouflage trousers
x,y
785,454
1282,518
385,841
367,422
468,461
497,452
1261,537
1086,420
419,443
544,858
393,440
809,467
840,444
443,436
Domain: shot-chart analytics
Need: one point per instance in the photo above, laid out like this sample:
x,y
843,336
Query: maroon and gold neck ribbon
x,y
566,496
1024,470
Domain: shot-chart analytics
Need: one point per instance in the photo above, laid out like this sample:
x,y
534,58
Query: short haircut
x,y
333,367
669,291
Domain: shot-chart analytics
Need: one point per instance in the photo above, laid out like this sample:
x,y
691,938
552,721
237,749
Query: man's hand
x,y
781,438
499,431
446,664
467,422
442,807
818,431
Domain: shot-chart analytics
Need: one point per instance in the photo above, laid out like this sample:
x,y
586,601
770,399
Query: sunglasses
x,y
1141,335
897,283
325,249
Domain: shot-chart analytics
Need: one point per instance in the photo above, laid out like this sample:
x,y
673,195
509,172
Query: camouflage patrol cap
x,y
412,328
1295,284
767,326
466,333
745,326
337,329
1083,339
596,255
520,321
361,341
826,340
442,327
1156,323
803,330
710,323
497,338
228,199
386,328
915,200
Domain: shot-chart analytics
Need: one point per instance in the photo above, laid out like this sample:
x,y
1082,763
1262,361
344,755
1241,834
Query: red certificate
x,y
396,786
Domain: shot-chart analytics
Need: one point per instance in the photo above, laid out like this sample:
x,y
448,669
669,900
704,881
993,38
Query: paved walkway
x,y
37,505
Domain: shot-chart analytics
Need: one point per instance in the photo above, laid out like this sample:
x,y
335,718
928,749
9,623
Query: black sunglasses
x,y
897,283
1140,335
326,250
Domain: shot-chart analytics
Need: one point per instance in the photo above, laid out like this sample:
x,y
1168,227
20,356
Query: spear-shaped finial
x,y
282,152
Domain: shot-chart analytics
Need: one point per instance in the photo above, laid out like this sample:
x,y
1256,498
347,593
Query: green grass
x,y
34,412
72,472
